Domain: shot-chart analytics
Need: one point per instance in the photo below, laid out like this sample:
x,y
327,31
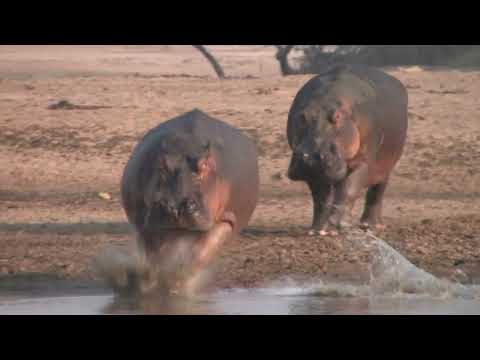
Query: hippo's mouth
x,y
335,173
331,172
157,219
204,226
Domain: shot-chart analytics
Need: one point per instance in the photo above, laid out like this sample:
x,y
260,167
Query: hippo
x,y
347,128
191,177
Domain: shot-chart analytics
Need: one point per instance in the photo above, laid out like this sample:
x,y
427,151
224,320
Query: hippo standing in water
x,y
347,129
192,177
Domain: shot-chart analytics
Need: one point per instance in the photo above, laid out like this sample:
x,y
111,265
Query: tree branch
x,y
282,56
216,66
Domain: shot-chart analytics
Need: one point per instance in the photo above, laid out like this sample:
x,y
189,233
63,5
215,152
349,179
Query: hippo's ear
x,y
337,117
207,146
340,115
215,143
206,162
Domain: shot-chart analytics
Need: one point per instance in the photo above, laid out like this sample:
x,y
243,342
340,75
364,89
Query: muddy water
x,y
396,286
237,302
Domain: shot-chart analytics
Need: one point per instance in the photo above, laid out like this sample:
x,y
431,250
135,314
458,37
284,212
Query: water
x,y
396,286
238,302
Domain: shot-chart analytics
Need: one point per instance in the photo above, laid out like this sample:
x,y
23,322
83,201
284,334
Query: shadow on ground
x,y
113,228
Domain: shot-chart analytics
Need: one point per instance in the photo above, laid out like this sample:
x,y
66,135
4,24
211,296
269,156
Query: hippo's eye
x,y
162,177
192,163
335,117
202,166
333,149
303,120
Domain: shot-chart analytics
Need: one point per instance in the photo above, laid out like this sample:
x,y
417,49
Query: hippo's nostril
x,y
333,149
171,209
190,206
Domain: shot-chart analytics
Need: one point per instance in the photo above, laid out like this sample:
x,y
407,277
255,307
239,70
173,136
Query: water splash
x,y
127,272
318,288
391,276
120,268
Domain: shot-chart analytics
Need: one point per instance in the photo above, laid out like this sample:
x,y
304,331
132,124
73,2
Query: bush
x,y
315,58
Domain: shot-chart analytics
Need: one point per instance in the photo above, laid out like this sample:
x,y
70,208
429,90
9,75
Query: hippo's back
x,y
358,83
368,88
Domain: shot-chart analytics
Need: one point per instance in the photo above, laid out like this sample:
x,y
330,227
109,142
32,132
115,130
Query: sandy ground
x,y
54,163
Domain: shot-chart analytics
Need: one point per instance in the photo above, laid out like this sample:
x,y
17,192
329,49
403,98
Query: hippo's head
x,y
326,137
181,186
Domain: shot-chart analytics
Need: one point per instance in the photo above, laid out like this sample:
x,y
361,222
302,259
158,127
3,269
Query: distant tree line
x,y
315,58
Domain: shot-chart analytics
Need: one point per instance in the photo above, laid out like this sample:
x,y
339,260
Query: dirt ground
x,y
55,163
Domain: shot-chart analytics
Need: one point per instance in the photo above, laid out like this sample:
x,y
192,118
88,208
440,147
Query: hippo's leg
x,y
322,195
349,211
206,248
346,193
210,243
141,278
141,250
372,213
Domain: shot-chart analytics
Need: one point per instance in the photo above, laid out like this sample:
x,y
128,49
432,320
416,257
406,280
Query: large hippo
x,y
347,129
191,177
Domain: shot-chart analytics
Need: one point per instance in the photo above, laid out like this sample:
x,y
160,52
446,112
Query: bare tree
x,y
216,66
282,57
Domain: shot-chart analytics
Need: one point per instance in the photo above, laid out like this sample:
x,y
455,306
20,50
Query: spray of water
x,y
316,288
127,272
391,276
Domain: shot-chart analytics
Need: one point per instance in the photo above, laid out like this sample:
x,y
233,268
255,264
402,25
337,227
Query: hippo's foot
x,y
372,225
188,285
179,288
331,229
314,232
